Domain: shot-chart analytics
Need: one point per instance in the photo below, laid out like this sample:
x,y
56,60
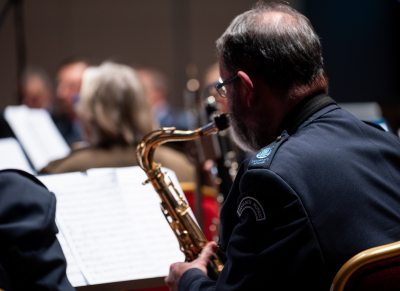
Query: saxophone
x,y
173,205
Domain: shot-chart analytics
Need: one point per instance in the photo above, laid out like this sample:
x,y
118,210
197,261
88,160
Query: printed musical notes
x,y
112,225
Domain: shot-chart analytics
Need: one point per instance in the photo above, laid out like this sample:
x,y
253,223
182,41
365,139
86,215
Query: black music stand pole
x,y
19,38
4,11
20,43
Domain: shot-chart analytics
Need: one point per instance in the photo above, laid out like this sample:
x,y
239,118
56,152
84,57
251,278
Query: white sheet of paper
x,y
111,240
37,134
12,156
144,207
74,274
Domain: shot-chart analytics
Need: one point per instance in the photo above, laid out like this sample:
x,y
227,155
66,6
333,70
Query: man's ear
x,y
248,88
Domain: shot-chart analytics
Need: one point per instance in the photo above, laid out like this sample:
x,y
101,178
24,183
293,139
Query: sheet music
x,y
12,156
144,207
37,134
110,240
74,274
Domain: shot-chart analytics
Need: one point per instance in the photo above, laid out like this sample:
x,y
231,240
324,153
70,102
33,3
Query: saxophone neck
x,y
146,148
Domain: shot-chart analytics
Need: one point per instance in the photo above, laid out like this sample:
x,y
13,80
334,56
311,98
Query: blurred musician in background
x,y
211,78
69,79
323,185
37,88
156,86
115,115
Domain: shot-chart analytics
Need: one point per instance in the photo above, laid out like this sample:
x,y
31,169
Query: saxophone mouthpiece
x,y
222,121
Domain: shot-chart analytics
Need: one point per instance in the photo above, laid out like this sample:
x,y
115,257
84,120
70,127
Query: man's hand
x,y
176,270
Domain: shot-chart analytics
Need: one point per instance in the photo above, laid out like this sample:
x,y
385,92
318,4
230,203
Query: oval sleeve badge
x,y
254,205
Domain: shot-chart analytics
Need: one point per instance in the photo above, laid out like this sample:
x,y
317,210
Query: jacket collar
x,y
304,110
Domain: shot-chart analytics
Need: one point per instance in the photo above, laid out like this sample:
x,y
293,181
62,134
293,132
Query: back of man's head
x,y
276,42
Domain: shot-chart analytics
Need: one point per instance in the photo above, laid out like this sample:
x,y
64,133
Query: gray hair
x,y
113,105
274,41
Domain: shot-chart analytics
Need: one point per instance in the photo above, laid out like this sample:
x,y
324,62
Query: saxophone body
x,y
173,205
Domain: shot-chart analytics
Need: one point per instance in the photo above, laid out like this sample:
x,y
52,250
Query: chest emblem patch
x,y
254,205
264,153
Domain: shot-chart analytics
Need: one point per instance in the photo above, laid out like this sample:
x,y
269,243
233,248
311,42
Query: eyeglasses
x,y
221,86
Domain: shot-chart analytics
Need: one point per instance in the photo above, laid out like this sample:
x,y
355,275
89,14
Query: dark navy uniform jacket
x,y
30,255
325,190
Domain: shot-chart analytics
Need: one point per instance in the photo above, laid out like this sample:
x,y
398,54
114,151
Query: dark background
x,y
360,40
165,34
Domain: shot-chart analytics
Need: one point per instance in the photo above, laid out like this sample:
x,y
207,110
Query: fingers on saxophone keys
x,y
208,251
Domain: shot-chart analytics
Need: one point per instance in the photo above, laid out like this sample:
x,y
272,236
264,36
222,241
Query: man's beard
x,y
246,134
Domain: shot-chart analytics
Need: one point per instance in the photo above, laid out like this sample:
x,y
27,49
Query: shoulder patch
x,y
264,157
264,153
254,205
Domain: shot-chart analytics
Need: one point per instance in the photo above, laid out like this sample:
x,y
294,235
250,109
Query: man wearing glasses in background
x,y
322,186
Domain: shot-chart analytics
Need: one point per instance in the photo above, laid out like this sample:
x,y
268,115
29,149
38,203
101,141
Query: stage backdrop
x,y
360,39
165,34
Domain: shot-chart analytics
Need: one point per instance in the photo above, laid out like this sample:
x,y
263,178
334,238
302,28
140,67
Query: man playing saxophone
x,y
322,185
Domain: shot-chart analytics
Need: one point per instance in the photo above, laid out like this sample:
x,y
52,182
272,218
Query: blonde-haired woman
x,y
115,115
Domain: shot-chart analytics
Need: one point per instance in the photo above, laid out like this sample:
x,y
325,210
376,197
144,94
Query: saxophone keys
x,y
185,211
184,236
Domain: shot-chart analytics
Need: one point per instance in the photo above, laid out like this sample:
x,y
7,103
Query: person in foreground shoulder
x,y
322,187
30,254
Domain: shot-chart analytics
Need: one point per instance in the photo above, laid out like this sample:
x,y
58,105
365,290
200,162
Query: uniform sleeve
x,y
270,244
31,255
195,279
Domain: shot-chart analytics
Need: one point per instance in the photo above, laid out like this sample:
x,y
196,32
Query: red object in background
x,y
209,205
381,275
